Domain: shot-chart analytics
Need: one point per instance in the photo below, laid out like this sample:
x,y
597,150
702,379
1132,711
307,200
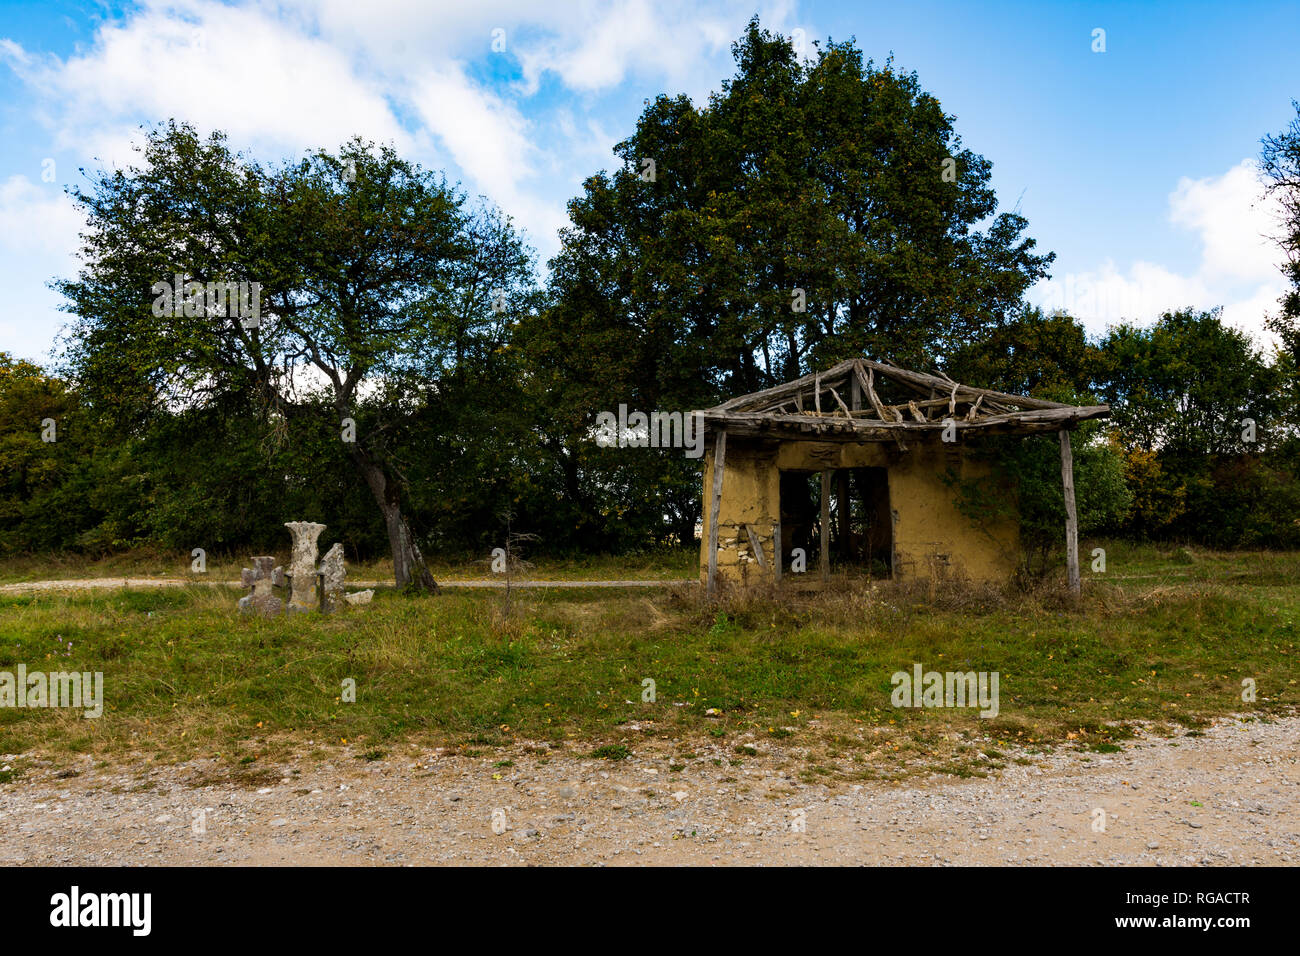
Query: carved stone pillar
x,y
302,565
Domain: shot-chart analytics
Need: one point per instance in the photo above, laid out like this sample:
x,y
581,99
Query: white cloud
x,y
494,146
630,35
39,228
1239,267
604,43
1235,221
37,218
230,68
486,136
1250,312
395,36
281,77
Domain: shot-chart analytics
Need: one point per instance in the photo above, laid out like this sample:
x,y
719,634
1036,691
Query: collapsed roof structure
x,y
843,403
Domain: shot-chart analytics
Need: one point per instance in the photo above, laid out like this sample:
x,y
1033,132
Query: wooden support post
x,y
826,526
776,547
843,512
719,458
1071,517
756,546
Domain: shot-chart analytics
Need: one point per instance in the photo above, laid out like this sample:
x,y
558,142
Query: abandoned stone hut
x,y
855,465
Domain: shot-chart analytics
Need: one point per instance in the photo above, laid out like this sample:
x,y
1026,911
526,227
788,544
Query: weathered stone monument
x,y
309,587
332,573
302,565
262,578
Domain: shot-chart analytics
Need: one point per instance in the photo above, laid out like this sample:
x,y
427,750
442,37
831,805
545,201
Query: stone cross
x,y
302,565
332,573
262,578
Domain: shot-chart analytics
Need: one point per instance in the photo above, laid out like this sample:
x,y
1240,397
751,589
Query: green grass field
x,y
1164,636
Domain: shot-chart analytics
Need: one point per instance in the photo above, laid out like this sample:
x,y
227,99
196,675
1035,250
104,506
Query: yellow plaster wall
x,y
931,537
750,496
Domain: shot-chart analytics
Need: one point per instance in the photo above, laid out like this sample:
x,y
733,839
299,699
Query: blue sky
x,y
1134,164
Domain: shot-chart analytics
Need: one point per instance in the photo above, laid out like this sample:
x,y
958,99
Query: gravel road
x,y
1230,797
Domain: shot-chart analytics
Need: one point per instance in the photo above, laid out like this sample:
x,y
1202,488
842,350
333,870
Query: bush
x,y
1027,482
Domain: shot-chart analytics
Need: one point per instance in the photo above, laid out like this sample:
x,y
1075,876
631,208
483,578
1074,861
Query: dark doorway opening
x,y
860,520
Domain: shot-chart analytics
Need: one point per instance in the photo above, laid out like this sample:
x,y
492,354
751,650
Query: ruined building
x,y
857,464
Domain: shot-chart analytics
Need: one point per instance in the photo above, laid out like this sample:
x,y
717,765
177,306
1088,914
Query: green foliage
x,y
1185,392
1186,384
1159,498
676,282
1280,161
378,283
391,299
1046,356
48,489
1027,483
611,752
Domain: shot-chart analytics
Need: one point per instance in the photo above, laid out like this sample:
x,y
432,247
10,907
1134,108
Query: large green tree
x,y
1280,159
41,453
1201,415
1186,386
375,279
810,210
1048,356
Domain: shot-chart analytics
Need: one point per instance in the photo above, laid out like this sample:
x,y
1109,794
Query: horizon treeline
x,y
406,376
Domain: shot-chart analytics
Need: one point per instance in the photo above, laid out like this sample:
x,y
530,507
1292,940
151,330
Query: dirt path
x,y
1230,797
83,584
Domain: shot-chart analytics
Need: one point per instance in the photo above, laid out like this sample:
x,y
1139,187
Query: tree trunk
x,y
568,465
409,570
